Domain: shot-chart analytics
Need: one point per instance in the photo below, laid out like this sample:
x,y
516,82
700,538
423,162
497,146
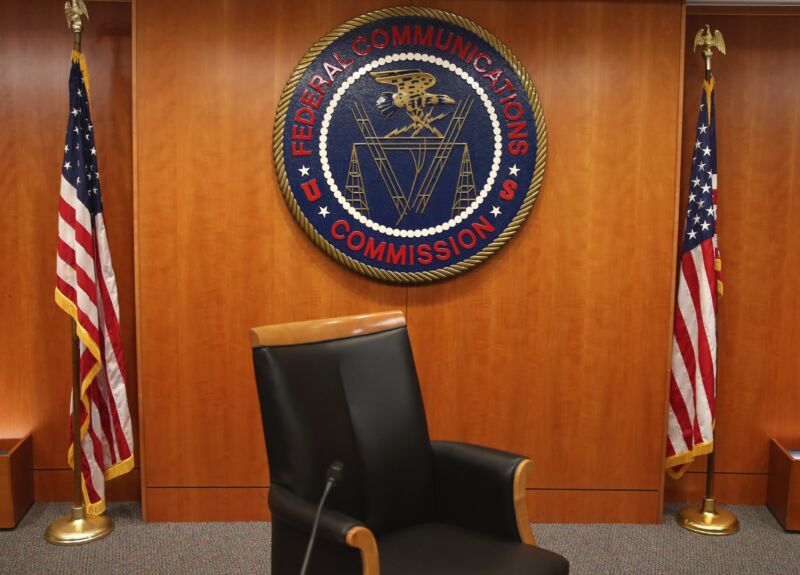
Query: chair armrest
x,y
333,526
482,489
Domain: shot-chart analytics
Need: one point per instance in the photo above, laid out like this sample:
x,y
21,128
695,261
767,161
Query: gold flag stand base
x,y
708,520
78,528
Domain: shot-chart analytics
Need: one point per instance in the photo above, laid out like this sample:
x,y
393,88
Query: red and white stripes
x,y
690,429
86,289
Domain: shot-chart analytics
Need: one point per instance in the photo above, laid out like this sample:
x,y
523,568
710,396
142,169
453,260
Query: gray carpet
x,y
761,548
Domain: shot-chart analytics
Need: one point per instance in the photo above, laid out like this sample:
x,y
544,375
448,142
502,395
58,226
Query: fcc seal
x,y
410,144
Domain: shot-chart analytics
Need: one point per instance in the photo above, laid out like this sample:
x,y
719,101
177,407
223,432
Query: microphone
x,y
332,476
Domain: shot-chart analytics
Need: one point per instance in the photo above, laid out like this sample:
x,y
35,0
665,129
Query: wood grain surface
x,y
35,344
555,348
219,252
758,135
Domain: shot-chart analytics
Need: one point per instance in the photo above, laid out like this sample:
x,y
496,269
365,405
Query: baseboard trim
x,y
56,485
730,488
194,504
593,506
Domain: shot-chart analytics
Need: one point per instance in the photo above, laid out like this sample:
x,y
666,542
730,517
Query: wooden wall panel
x,y
557,347
729,488
208,504
218,250
593,506
758,134
35,360
56,485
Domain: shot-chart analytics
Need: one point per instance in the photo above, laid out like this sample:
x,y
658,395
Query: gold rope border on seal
x,y
533,189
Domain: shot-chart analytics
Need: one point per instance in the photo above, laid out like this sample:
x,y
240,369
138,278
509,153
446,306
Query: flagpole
x,y
709,519
77,527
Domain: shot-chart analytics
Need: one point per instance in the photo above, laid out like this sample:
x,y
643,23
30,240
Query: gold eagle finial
x,y
706,40
73,10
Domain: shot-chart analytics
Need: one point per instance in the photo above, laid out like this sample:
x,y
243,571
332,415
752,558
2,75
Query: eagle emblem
x,y
706,40
413,97
73,10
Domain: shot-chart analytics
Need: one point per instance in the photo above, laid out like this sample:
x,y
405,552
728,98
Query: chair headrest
x,y
313,331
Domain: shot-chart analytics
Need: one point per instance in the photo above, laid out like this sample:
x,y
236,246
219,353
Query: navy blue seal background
x,y
409,145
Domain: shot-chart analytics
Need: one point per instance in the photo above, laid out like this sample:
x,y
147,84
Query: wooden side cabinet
x,y
16,479
783,484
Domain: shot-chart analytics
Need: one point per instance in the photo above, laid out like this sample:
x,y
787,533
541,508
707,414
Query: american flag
x,y
87,291
694,345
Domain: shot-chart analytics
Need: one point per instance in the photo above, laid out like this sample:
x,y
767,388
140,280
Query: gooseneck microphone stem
x,y
332,477
328,486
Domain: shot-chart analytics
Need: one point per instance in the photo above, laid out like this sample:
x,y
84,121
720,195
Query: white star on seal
x,y
303,171
495,211
513,170
323,211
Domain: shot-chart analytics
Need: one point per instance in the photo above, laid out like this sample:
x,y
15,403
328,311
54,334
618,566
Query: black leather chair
x,y
346,389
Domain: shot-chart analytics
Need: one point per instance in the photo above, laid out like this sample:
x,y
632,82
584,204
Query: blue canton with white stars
x,y
80,156
702,212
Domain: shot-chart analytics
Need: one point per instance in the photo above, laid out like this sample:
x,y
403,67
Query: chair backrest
x,y
346,389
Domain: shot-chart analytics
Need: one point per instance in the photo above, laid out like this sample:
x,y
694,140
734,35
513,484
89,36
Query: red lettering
x,y
383,34
304,116
311,190
443,46
331,70
508,98
401,39
442,253
494,76
453,244
517,132
460,47
482,56
298,149
351,243
396,256
482,225
317,82
424,254
374,252
301,133
513,106
313,100
421,40
361,40
518,147
338,224
507,85
341,62
467,233
508,189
